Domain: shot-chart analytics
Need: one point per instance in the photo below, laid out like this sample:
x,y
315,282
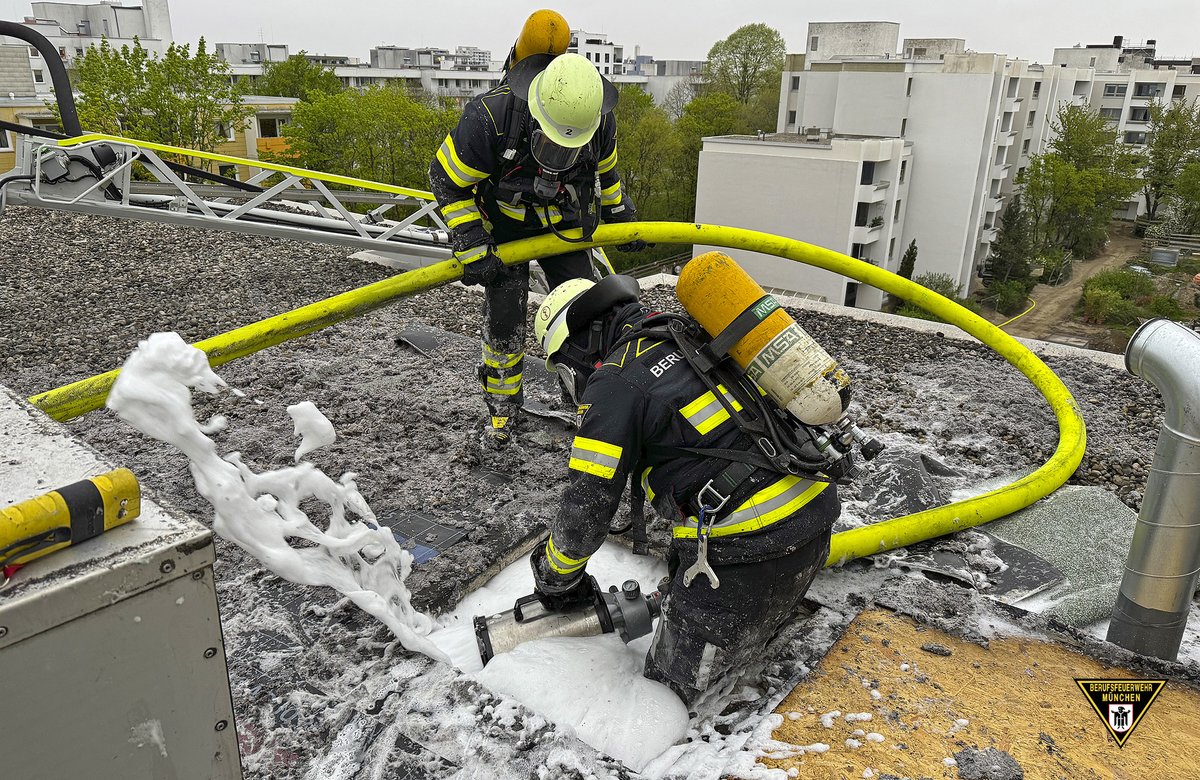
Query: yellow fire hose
x,y
78,398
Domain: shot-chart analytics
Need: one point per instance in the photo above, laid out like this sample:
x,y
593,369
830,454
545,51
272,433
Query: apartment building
x,y
609,58
848,193
72,28
970,122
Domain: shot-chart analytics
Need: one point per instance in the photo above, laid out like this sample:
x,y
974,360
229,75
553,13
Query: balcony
x,y
1000,171
1012,104
873,193
988,235
992,204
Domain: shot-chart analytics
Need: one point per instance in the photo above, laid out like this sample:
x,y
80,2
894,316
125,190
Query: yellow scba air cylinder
x,y
779,355
545,32
67,516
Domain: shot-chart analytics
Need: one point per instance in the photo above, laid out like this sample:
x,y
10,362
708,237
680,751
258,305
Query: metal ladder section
x,y
94,174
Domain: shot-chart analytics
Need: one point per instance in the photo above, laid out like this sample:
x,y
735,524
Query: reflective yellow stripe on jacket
x,y
707,413
460,212
611,196
773,503
462,174
595,457
562,563
608,163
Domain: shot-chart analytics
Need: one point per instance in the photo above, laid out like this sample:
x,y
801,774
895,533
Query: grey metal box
x,y
111,659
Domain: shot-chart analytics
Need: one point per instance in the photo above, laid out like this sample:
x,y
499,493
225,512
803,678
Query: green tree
x,y
748,62
1013,247
181,99
1186,197
1173,141
715,113
296,77
1072,189
649,153
382,134
908,263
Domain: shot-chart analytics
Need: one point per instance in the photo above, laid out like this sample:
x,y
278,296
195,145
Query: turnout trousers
x,y
705,634
505,319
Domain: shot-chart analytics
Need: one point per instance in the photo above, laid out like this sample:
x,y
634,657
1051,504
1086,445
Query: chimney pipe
x,y
1164,560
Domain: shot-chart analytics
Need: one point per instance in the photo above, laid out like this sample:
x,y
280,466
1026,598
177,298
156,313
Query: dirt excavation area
x,y
323,690
1052,318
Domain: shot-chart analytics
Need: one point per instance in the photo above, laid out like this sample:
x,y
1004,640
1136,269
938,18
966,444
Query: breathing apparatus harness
x,y
547,184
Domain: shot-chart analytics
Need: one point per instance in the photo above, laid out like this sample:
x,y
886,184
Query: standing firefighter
x,y
537,154
748,538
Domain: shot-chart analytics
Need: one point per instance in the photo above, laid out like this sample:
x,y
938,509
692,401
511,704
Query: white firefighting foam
x,y
261,512
592,686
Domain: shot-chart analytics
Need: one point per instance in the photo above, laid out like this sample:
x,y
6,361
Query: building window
x,y
62,52
1021,173
1135,137
1092,62
896,214
605,70
33,52
903,126
861,213
1115,90
813,43
795,82
858,251
851,294
891,249
1139,114
5,141
1148,90
78,52
1025,146
1037,89
868,172
1177,92
228,171
908,89
903,168
39,77
255,55
1111,114
226,131
791,118
271,126
606,59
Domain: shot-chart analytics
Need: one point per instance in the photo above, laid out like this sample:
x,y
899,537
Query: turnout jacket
x,y
477,188
645,397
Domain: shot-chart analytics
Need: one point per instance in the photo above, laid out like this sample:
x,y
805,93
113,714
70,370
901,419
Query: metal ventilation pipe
x,y
1164,561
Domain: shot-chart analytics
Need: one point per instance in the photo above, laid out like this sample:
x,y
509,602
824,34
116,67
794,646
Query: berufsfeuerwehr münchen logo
x,y
1120,703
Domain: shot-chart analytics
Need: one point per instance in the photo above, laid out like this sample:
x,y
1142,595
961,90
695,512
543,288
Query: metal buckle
x,y
708,488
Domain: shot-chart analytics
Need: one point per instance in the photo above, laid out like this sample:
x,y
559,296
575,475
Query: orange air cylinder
x,y
776,352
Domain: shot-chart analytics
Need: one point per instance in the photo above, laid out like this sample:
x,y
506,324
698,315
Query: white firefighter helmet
x,y
567,100
550,324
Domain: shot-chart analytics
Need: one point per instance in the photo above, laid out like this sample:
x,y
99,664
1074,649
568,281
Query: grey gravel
x,y
77,293
990,764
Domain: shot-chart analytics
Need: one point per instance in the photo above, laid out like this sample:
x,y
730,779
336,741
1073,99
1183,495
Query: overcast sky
x,y
669,29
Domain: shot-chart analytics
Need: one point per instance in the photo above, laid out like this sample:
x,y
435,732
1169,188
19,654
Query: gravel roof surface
x,y
78,292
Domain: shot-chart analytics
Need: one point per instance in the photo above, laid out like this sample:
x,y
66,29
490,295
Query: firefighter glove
x,y
636,245
558,592
484,270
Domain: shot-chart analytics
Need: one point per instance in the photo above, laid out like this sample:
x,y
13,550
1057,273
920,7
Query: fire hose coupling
x,y
626,612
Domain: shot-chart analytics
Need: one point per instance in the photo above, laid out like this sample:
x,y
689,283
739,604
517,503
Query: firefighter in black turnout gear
x,y
747,541
537,154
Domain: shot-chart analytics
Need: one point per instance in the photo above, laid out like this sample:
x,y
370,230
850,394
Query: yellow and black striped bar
x,y
67,516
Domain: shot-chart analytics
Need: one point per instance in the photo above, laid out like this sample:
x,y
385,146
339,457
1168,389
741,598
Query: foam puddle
x,y
592,686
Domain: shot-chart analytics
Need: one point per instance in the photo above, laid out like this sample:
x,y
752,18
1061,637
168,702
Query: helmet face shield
x,y
550,155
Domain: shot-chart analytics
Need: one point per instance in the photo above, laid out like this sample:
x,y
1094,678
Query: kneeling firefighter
x,y
535,155
752,521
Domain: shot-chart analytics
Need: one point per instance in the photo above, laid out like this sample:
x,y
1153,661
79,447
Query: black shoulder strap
x,y
514,125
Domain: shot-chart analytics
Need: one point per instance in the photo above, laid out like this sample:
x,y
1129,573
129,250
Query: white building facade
x,y
969,121
73,28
